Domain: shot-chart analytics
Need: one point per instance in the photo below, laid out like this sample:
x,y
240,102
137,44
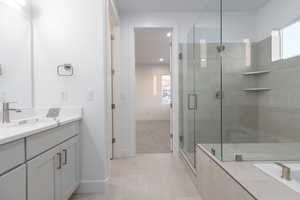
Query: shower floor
x,y
258,151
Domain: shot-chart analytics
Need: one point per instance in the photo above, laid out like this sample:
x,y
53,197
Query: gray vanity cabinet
x,y
44,176
13,184
54,174
42,166
12,171
70,168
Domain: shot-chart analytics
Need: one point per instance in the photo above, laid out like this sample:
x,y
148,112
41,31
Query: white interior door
x,y
109,89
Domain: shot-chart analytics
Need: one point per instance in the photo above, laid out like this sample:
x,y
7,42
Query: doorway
x,y
112,79
153,74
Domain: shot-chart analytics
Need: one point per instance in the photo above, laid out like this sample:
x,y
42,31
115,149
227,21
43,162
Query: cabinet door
x,y
44,176
13,184
70,169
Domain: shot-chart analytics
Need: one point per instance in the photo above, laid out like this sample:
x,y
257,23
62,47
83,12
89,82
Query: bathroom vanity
x,y
40,160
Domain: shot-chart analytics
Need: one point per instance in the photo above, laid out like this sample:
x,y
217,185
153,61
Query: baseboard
x,y
93,186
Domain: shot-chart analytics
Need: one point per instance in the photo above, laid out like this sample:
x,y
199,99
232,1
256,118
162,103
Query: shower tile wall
x,y
278,109
240,111
240,122
259,117
265,117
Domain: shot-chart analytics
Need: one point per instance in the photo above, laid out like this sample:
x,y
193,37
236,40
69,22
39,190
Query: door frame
x,y
175,85
112,60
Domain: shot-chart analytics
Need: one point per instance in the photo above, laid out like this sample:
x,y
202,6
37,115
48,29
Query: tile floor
x,y
148,177
153,136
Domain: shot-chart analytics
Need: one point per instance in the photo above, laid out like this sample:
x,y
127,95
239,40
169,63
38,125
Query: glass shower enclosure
x,y
239,82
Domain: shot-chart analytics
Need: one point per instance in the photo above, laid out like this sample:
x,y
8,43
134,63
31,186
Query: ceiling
x,y
186,5
151,44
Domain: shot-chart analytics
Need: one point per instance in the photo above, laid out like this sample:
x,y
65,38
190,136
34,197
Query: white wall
x,y
72,31
15,56
148,104
276,14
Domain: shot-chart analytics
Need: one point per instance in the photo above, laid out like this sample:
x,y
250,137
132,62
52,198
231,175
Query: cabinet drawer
x,y
11,155
42,142
13,184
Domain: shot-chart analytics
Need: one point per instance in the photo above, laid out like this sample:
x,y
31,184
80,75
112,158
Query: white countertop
x,y
10,134
40,123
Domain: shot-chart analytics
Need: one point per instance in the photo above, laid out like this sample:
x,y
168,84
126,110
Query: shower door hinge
x,y
112,37
221,48
114,140
113,106
171,105
213,151
171,135
219,95
113,71
239,158
180,56
181,138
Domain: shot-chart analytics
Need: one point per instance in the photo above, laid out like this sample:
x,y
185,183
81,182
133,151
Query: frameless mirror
x,y
15,52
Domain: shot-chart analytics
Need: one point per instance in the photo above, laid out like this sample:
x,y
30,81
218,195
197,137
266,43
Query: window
x,y
166,89
203,53
290,40
276,45
154,85
247,52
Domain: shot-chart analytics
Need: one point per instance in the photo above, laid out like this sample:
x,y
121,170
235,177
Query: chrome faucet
x,y
286,171
6,112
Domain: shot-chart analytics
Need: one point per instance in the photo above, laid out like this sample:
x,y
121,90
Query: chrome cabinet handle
x,y
65,157
59,161
192,106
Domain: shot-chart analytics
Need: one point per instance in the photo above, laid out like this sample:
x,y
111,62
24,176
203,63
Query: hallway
x,y
148,177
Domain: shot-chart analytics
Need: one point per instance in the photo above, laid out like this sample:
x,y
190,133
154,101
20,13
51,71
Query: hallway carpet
x,y
153,136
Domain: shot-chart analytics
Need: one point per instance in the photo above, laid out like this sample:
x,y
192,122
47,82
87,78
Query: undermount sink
x,y
26,123
275,172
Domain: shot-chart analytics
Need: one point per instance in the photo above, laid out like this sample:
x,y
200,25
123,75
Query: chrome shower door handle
x,y
192,101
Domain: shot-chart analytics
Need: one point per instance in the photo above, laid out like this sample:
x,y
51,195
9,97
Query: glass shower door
x,y
200,86
208,84
189,102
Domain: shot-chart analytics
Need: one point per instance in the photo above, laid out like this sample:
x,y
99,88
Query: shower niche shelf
x,y
256,89
254,73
